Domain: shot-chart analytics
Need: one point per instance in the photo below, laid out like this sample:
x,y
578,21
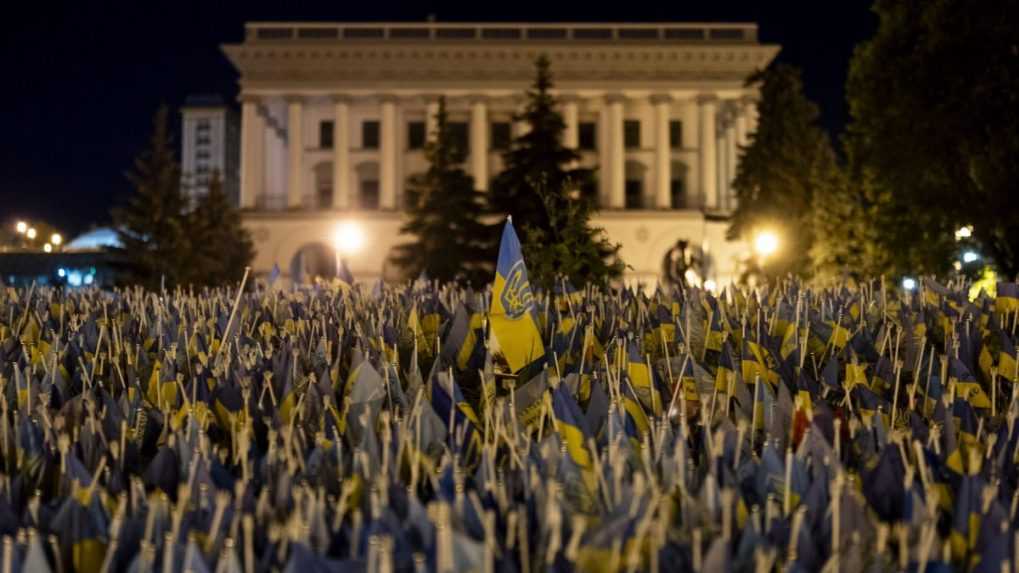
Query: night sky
x,y
82,80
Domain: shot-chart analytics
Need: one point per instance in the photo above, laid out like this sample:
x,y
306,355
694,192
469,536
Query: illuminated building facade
x,y
334,118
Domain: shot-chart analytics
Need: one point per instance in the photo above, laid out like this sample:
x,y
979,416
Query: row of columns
x,y
718,148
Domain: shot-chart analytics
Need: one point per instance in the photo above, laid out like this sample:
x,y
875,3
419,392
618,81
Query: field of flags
x,y
423,427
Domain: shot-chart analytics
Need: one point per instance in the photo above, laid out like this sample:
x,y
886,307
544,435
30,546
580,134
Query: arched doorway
x,y
315,260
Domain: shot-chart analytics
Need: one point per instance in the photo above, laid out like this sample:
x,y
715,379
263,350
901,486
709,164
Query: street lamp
x,y
47,248
31,233
766,243
21,227
56,239
348,238
909,283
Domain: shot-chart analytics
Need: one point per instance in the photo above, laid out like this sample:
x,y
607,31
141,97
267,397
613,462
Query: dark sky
x,y
83,79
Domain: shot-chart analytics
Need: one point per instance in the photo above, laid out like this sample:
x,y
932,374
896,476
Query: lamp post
x,y
766,243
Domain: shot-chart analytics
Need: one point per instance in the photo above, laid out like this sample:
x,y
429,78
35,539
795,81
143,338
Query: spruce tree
x,y
542,192
788,163
445,216
152,226
221,246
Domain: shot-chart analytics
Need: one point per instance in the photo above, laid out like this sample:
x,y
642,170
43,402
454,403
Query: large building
x,y
335,115
210,146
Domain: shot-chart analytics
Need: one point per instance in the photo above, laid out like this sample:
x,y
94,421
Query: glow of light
x,y
969,257
963,233
21,227
61,273
691,277
56,239
30,233
909,283
766,243
74,278
709,285
89,279
348,237
48,248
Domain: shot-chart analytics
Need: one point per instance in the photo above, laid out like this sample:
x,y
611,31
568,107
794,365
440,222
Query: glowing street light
x,y
766,243
31,233
47,248
56,239
21,227
909,283
348,238
970,256
964,232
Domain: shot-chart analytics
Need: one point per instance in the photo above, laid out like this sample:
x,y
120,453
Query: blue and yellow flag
x,y
512,310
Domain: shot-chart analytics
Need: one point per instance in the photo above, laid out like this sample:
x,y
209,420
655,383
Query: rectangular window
x,y
587,136
678,194
458,133
634,194
631,134
676,134
501,135
415,135
369,134
325,134
369,194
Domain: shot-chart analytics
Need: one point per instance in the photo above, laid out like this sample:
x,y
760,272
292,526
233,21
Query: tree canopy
x,y
788,162
164,243
445,209
935,133
543,189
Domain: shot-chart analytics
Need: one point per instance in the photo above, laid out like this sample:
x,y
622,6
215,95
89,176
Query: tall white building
x,y
210,143
334,117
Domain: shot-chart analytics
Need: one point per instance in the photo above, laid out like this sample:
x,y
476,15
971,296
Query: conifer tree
x,y
445,216
153,235
221,246
540,187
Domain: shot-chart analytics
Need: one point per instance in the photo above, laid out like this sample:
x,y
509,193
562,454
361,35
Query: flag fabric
x,y
512,313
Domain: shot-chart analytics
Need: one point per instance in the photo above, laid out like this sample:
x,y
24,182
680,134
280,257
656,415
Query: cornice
x,y
380,62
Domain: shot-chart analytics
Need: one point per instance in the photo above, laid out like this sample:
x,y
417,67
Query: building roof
x,y
329,56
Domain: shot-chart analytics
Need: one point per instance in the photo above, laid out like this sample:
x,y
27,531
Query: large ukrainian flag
x,y
512,312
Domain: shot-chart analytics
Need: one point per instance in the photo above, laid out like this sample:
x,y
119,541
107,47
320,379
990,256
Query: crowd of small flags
x,y
426,427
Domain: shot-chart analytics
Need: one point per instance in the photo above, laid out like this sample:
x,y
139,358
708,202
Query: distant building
x,y
210,143
335,117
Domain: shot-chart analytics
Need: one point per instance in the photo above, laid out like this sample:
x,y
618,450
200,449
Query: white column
x,y
295,148
663,152
387,149
252,153
750,110
479,143
691,140
571,136
520,128
604,163
431,118
722,158
617,184
341,153
709,170
730,163
742,135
